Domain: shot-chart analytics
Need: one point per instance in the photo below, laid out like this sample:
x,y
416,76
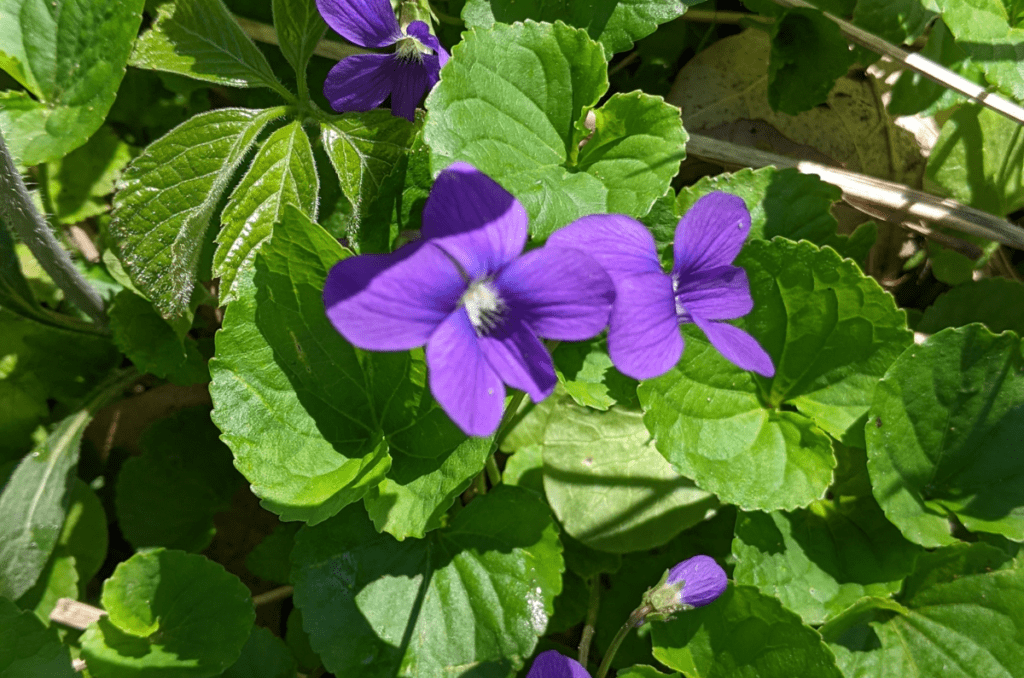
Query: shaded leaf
x,y
28,648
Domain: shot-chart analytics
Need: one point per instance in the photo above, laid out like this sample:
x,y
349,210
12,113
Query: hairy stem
x,y
17,210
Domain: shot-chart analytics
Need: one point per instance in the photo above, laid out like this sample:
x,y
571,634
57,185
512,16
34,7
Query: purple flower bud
x,y
702,580
551,664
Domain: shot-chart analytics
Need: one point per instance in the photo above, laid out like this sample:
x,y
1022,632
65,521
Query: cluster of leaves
x,y
868,500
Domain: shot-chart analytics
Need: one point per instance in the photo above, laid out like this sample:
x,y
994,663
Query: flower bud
x,y
695,582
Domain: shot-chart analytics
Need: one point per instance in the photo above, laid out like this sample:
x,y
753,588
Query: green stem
x,y
589,626
636,618
493,473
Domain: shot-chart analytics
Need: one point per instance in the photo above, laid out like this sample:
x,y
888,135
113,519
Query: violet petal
x,y
623,246
737,346
361,82
561,293
367,23
421,32
409,83
721,293
711,233
519,358
474,219
704,580
392,302
552,664
461,380
643,338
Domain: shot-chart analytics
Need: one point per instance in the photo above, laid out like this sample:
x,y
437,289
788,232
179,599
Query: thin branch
x,y
272,596
922,65
17,210
330,49
879,198
706,16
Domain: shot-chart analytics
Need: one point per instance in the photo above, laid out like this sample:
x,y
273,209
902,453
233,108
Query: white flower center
x,y
409,49
680,309
484,305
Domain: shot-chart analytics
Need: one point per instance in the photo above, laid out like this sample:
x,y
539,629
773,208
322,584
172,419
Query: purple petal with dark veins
x,y
392,302
737,346
522,362
643,339
711,233
561,293
622,245
552,664
361,82
367,23
721,293
421,32
410,82
704,580
461,379
474,219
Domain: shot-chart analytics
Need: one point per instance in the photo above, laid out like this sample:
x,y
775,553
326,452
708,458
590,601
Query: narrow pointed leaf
x,y
200,39
168,196
282,173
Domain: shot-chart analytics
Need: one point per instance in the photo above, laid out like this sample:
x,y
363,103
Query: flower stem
x,y
17,210
588,627
636,618
493,473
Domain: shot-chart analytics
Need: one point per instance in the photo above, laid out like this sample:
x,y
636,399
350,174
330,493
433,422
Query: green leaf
x,y
169,613
298,642
819,560
781,202
84,534
833,331
35,503
15,294
540,80
616,24
271,559
943,435
168,196
478,592
414,496
264,655
299,28
997,303
76,185
283,173
979,160
28,648
743,633
71,55
966,623
364,149
609,487
59,579
897,22
643,671
587,374
152,344
808,55
200,39
913,93
318,435
992,37
169,495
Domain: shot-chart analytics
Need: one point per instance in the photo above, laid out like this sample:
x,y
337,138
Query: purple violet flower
x,y
703,288
466,291
552,664
695,582
702,580
364,81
